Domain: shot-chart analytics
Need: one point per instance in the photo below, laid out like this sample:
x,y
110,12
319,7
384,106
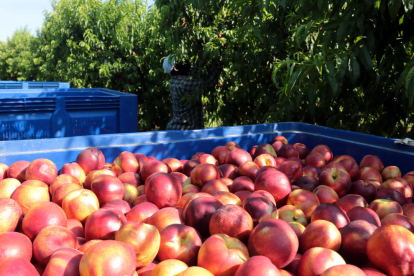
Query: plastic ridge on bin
x,y
32,85
56,113
183,144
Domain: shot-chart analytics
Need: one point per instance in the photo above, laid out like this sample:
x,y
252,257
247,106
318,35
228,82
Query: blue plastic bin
x,y
183,144
33,85
55,113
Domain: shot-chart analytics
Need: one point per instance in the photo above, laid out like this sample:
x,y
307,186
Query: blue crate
x,y
183,144
56,113
33,85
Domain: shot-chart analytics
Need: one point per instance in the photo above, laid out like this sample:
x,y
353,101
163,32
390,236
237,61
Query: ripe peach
x,y
42,169
221,153
26,196
390,248
125,162
144,239
169,267
64,261
304,200
108,258
40,215
320,233
180,242
317,259
107,187
17,170
79,204
63,179
275,239
91,159
165,217
93,174
343,270
3,171
103,224
18,266
7,187
50,239
258,266
10,215
233,221
15,245
371,161
227,198
213,186
36,183
222,255
74,170
87,244
62,191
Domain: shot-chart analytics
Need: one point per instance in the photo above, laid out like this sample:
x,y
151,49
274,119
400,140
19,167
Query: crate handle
x,y
60,121
406,141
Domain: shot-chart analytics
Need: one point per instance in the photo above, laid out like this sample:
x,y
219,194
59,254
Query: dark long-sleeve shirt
x,y
187,116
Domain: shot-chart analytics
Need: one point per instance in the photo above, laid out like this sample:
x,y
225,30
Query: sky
x,y
15,14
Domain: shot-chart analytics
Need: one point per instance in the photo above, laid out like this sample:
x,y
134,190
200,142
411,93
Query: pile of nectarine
x,y
273,209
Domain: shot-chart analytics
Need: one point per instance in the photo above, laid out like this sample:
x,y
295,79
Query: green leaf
x,y
402,78
410,92
300,35
359,38
318,65
312,100
320,4
332,25
278,66
365,57
342,64
408,5
256,32
409,77
354,70
330,69
394,7
340,33
377,5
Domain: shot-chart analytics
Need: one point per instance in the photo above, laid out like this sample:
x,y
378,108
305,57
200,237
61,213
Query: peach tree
x,y
343,64
111,44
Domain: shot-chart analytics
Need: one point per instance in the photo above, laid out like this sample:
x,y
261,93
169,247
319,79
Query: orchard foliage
x,y
16,57
343,64
113,44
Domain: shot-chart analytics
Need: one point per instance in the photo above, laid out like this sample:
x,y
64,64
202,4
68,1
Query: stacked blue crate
x,y
53,113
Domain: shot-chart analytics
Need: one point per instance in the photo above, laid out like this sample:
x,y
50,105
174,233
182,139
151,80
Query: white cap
x,y
168,64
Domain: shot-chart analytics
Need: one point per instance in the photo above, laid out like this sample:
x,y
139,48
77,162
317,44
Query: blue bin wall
x,y
183,144
32,84
55,113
